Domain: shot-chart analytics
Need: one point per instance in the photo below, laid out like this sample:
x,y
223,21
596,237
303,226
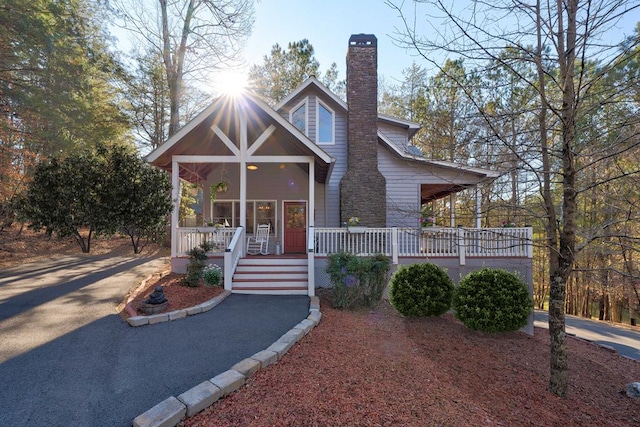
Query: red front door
x,y
295,228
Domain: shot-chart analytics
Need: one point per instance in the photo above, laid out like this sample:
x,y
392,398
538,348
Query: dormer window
x,y
325,124
298,116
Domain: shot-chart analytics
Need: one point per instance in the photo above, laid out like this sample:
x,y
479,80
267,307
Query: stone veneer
x,y
363,191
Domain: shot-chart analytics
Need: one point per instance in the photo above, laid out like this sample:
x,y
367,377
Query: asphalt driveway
x,y
66,357
625,341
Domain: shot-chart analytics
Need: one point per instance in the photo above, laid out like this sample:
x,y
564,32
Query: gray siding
x,y
327,196
404,178
396,134
403,188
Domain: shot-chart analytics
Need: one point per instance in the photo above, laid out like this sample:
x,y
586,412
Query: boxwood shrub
x,y
492,300
420,290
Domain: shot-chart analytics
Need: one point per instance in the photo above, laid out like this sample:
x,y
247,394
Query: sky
x,y
327,24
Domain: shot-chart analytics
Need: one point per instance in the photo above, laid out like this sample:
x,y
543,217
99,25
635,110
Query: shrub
x,y
212,275
421,290
197,258
357,281
492,300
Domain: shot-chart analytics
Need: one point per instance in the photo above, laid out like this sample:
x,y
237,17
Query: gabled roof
x,y
411,127
248,101
485,173
437,191
311,81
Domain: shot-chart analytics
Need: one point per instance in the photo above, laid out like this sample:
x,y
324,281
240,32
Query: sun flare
x,y
231,82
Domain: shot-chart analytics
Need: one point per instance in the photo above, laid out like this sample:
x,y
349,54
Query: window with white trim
x,y
298,116
325,124
227,213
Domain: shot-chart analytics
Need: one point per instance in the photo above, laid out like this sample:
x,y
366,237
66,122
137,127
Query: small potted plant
x,y
353,225
427,219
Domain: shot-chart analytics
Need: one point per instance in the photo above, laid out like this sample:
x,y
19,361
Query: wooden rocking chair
x,y
259,244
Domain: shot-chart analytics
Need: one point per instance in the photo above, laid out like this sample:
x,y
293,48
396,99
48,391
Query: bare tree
x,y
193,38
558,39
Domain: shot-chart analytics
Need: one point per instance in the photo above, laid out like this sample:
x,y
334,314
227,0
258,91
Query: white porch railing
x,y
191,237
232,255
427,242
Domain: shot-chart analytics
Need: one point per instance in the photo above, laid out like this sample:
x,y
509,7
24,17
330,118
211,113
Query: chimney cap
x,y
363,40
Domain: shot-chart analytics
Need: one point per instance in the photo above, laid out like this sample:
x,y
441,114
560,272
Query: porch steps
x,y
271,276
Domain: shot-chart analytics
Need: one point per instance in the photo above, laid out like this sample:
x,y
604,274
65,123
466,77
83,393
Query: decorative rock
x,y
167,413
314,303
633,390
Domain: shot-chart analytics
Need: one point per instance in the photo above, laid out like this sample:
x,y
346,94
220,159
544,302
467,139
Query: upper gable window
x,y
298,116
325,124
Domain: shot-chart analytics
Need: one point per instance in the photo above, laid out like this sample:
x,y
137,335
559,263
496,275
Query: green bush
x,y
419,290
357,281
197,258
212,275
492,300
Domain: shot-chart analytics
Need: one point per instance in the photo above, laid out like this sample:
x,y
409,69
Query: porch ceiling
x,y
430,192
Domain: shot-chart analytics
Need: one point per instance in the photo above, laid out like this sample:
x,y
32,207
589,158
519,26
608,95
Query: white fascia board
x,y
309,81
155,154
449,165
319,152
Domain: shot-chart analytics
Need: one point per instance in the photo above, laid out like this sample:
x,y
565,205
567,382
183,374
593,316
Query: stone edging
x,y
178,314
172,410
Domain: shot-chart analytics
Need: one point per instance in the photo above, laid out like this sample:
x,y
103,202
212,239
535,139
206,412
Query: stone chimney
x,y
363,190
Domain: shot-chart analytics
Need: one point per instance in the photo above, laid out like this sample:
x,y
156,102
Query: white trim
x,y
155,154
333,123
317,151
305,103
308,82
261,140
233,159
283,213
175,214
225,139
448,165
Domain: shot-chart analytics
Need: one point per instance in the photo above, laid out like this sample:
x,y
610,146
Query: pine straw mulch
x,y
377,368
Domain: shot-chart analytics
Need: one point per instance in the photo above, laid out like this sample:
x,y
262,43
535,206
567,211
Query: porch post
x,y
478,208
312,193
175,196
394,245
243,173
206,203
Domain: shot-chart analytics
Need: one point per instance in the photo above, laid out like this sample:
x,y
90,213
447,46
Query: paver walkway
x,y
67,359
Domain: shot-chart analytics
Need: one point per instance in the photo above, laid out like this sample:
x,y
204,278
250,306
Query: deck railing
x,y
191,237
431,242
